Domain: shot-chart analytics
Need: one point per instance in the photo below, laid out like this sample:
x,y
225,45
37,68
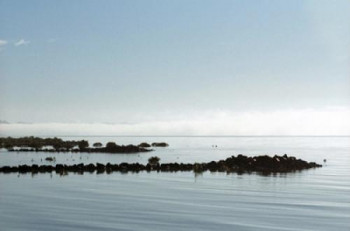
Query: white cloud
x,y
21,42
3,42
323,122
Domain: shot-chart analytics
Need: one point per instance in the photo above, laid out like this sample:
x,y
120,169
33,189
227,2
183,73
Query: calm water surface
x,y
317,199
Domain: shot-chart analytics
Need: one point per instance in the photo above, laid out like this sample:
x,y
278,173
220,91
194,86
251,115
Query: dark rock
x,y
59,168
6,169
154,160
89,168
24,169
35,168
50,158
161,144
198,168
45,168
144,145
123,167
100,168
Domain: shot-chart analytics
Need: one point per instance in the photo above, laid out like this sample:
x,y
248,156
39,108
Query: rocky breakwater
x,y
239,164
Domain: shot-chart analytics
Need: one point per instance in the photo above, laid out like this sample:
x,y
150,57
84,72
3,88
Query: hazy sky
x,y
177,62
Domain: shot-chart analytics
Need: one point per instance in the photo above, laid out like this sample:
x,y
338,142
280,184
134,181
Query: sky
x,y
175,67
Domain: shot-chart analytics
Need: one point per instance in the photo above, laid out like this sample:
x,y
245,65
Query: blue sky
x,y
148,61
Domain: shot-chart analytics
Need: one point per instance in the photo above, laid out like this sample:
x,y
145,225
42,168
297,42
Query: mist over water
x,y
316,199
329,121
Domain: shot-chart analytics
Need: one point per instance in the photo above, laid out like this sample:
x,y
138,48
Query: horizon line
x,y
223,136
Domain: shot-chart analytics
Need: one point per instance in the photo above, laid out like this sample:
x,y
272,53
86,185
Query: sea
x,y
314,199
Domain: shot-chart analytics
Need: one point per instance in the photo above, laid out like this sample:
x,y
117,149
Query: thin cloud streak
x,y
3,42
21,42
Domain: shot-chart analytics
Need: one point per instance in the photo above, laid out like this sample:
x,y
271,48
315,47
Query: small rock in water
x,y
161,144
144,145
50,158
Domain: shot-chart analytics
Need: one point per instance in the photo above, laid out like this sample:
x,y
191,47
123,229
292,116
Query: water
x,y
317,199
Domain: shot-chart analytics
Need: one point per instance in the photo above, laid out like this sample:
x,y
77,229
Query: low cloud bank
x,y
307,122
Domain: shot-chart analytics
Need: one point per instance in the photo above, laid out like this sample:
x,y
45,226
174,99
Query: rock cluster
x,y
240,164
37,144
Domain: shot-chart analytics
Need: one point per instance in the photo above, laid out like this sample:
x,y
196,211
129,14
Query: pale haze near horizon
x,y
175,67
